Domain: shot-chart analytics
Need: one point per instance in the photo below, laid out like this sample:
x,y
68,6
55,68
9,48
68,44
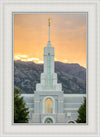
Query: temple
x,y
49,104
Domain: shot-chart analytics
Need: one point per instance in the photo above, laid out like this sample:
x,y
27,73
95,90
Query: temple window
x,y
48,106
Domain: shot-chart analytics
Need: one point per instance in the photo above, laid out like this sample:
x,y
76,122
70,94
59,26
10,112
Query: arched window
x,y
71,122
48,106
48,120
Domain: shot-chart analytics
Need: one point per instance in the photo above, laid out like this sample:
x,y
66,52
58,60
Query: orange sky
x,y
68,37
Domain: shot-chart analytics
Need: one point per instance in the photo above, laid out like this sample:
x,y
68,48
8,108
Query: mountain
x,y
72,76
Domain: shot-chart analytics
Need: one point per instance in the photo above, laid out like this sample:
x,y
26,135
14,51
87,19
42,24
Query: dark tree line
x,y
82,113
21,113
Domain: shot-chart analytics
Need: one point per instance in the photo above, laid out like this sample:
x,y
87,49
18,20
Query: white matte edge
x,y
98,58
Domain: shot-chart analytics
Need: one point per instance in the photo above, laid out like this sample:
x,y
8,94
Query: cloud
x,y
16,57
55,59
65,60
26,58
41,62
20,56
23,56
32,59
23,60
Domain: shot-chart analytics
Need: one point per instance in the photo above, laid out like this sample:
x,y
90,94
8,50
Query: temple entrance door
x,y
48,120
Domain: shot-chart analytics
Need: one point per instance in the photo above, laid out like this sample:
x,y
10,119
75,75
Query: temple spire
x,y
49,44
49,28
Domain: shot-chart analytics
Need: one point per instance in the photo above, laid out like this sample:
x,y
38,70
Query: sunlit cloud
x,y
40,62
22,56
17,57
35,58
27,58
65,60
23,60
32,59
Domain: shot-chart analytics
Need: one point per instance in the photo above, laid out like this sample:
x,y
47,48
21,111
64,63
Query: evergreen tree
x,y
20,110
82,113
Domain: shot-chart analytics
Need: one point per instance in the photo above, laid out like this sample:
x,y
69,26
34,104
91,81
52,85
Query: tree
x,y
82,113
20,110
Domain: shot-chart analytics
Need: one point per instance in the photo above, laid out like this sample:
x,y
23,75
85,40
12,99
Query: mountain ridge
x,y
72,76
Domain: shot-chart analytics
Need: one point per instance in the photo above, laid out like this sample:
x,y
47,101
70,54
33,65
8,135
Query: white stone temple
x,y
49,104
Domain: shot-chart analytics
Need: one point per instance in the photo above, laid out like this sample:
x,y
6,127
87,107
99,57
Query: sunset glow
x,y
26,58
68,37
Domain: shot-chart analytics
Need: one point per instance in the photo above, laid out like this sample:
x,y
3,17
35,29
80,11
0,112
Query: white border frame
x,y
6,127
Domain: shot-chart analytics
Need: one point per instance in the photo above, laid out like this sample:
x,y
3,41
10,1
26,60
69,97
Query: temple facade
x,y
49,104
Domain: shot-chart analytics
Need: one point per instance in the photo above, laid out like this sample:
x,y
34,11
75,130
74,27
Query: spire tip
x,y
49,21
